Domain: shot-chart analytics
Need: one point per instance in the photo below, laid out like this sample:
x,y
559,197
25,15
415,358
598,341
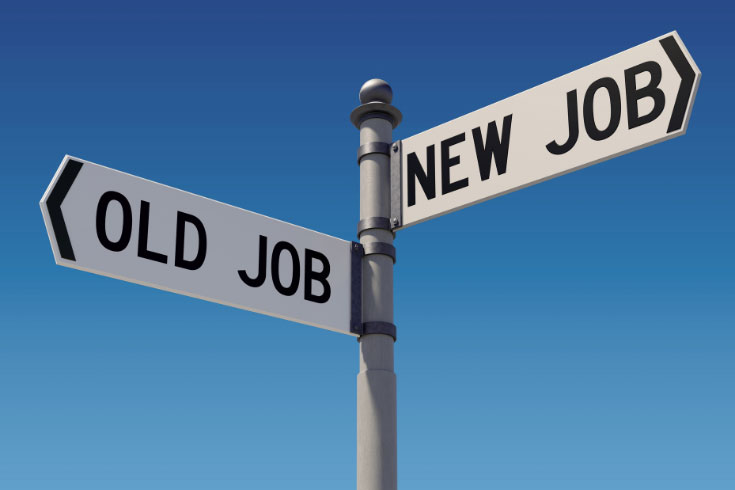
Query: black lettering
x,y
181,220
554,147
416,172
262,261
492,145
310,275
143,252
633,94
447,163
275,272
127,226
615,107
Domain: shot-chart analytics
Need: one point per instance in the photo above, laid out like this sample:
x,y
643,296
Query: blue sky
x,y
577,334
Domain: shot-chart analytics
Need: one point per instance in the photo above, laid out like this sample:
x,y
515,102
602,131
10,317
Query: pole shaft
x,y
376,381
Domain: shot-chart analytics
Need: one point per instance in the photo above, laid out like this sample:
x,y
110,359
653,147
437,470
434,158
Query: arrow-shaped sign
x,y
118,225
631,100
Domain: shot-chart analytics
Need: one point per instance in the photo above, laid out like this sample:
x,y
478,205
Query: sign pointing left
x,y
115,224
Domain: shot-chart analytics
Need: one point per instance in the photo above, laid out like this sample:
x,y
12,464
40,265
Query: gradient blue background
x,y
576,335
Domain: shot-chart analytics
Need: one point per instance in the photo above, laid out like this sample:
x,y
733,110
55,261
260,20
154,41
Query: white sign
x,y
628,101
118,225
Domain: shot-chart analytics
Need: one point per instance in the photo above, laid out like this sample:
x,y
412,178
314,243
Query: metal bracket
x,y
371,224
396,214
357,327
370,148
356,254
386,328
380,248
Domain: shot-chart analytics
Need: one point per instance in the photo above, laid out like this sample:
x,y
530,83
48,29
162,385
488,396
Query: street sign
x,y
631,100
111,223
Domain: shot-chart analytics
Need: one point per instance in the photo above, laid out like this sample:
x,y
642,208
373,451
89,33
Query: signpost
x,y
629,101
115,224
111,223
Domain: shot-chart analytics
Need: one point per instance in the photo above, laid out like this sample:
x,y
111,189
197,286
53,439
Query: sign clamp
x,y
385,328
380,223
357,327
396,210
370,148
356,253
380,248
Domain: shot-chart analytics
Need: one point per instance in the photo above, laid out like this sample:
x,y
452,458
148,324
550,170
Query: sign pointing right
x,y
631,100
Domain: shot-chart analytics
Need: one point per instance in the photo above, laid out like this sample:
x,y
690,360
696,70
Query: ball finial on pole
x,y
375,98
376,90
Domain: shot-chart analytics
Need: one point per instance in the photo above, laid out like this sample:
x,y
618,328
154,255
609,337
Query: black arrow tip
x,y
53,205
688,77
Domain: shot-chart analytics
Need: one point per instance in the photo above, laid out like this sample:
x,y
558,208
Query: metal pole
x,y
376,381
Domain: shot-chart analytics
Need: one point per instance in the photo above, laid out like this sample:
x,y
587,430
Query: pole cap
x,y
375,98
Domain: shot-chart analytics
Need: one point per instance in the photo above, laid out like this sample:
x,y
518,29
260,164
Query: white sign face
x,y
628,101
118,225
